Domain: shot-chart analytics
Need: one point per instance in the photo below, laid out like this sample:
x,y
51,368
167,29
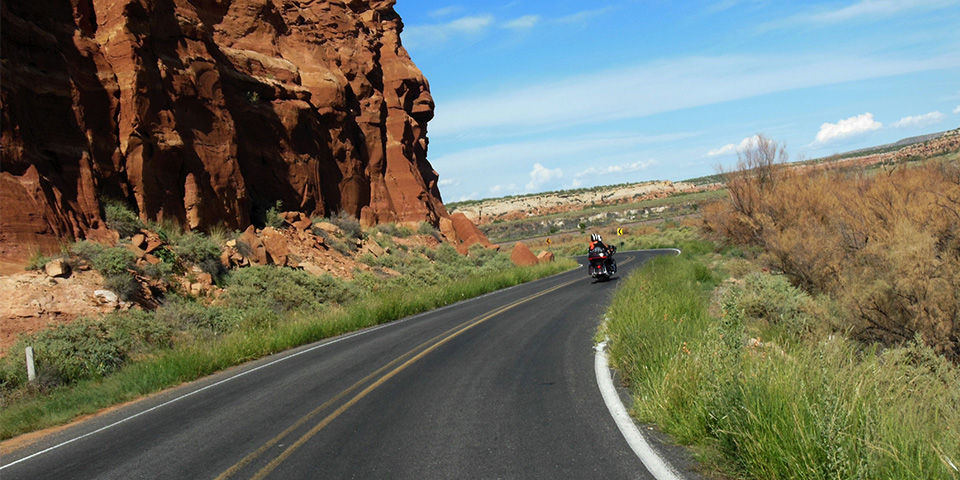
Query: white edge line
x,y
181,397
657,466
282,359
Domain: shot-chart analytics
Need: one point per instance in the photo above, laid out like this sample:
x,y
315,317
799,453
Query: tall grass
x,y
763,401
248,340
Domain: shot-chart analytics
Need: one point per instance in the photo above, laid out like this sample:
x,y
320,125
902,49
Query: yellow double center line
x,y
404,361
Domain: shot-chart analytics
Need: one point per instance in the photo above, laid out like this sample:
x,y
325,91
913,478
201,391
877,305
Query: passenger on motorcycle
x,y
596,246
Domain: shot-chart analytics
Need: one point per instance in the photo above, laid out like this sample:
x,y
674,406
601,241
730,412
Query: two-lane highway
x,y
501,386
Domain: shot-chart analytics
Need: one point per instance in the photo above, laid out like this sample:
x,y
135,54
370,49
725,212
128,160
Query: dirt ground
x,y
33,300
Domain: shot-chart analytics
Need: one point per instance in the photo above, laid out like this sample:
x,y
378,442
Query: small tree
x,y
759,168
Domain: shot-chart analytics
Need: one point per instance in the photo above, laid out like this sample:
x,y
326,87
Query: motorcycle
x,y
600,263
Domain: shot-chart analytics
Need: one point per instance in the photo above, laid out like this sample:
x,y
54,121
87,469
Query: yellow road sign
x,y
620,231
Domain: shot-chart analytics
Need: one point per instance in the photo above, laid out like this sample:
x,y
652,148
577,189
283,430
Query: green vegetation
x,y
841,361
273,218
120,218
91,364
197,249
765,386
37,261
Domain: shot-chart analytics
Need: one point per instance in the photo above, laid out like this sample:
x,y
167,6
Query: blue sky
x,y
547,95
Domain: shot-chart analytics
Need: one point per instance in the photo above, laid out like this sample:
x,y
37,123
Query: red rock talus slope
x,y
208,112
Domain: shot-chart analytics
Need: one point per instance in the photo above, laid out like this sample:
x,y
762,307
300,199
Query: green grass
x,y
164,368
793,402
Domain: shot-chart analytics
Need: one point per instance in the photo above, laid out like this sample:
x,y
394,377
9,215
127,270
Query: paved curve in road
x,y
501,386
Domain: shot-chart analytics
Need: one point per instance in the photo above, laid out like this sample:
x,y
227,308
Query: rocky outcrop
x,y
208,112
463,233
522,255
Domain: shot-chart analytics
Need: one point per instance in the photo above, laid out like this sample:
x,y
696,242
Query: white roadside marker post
x,y
31,366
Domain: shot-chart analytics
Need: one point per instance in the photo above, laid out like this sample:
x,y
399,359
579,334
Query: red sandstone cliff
x,y
208,112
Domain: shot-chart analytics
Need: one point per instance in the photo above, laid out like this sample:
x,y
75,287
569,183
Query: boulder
x,y
303,224
545,257
135,249
139,240
522,256
312,269
257,253
153,245
460,231
57,268
275,245
373,248
106,297
327,227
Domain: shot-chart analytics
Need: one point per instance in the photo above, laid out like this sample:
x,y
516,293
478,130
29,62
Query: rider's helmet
x,y
594,237
598,239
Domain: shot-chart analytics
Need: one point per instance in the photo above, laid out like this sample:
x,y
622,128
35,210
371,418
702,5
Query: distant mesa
x,y
208,113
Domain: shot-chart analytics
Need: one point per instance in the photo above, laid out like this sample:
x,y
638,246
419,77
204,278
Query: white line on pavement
x,y
654,462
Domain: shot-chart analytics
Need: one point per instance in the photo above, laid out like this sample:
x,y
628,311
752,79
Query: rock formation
x,y
208,112
522,256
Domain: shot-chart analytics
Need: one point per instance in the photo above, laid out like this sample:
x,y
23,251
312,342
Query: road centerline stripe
x,y
266,446
457,331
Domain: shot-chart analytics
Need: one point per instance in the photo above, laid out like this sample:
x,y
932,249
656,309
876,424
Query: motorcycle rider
x,y
596,243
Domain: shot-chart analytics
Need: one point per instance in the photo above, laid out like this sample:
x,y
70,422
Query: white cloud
x,y
847,128
655,87
605,147
918,121
732,148
583,16
541,176
524,22
508,189
428,35
611,169
448,182
864,9
724,5
956,110
445,12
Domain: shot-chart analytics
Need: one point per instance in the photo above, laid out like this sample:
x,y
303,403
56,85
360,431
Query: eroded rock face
x,y
208,112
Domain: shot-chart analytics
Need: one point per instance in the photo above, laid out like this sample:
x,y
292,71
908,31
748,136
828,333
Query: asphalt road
x,y
501,386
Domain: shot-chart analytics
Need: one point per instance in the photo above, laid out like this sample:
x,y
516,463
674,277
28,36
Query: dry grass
x,y
886,246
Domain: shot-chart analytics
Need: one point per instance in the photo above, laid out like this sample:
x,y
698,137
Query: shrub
x,y
125,285
87,250
284,289
114,261
887,247
77,350
84,348
195,248
273,218
163,270
184,314
394,230
425,228
349,226
771,300
143,328
120,218
37,261
168,229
